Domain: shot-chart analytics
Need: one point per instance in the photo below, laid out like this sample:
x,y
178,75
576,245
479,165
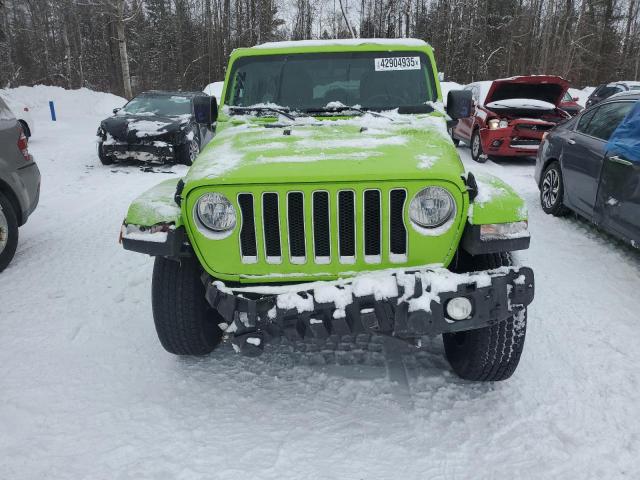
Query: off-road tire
x,y
185,323
552,203
9,227
455,141
476,148
491,353
104,159
188,152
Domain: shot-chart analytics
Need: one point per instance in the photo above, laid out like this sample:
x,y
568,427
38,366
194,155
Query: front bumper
x,y
143,152
403,304
510,142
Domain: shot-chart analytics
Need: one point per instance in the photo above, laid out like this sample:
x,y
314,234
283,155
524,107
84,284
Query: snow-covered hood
x,y
130,128
355,149
544,88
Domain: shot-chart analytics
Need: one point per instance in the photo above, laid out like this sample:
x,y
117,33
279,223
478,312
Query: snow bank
x,y
581,94
215,90
77,103
446,86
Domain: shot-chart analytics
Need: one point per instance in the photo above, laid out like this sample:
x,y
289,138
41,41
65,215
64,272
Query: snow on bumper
x,y
406,305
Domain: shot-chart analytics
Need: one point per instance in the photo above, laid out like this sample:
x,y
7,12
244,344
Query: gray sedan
x,y
19,183
591,165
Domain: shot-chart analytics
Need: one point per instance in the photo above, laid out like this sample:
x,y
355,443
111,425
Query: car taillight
x,y
23,145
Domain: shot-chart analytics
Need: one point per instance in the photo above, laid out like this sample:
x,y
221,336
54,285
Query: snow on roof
x,y
411,42
626,83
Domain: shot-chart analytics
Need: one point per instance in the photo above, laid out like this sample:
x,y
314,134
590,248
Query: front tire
x,y
552,191
476,148
189,152
104,158
8,232
491,353
185,323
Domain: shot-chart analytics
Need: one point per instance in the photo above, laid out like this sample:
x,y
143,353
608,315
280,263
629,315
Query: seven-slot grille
x,y
331,214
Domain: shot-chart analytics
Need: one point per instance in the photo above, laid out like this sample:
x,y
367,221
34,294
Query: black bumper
x,y
141,152
495,295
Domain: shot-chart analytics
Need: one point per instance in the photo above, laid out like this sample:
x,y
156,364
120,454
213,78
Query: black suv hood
x,y
132,128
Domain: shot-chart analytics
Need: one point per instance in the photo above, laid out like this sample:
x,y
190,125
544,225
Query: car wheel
x,y
189,152
552,191
104,159
8,232
476,148
25,128
185,322
491,353
455,141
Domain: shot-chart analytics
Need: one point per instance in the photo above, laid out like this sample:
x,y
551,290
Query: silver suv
x,y
19,183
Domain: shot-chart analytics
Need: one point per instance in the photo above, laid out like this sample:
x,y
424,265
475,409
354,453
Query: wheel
x,y
491,353
185,323
25,128
104,159
8,232
476,147
455,141
552,191
188,152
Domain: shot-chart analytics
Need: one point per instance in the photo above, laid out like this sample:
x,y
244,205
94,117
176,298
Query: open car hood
x,y
546,88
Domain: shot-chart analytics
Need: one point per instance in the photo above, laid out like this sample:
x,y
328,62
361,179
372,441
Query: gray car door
x,y
582,156
619,194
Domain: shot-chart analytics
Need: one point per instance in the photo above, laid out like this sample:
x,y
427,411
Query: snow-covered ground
x,y
88,392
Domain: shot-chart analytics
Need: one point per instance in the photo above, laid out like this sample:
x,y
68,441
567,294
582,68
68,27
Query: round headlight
x,y
503,123
216,212
432,207
493,123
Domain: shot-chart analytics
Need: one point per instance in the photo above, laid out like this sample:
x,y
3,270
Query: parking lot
x,y
87,388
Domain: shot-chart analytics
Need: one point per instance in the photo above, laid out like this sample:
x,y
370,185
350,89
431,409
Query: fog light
x,y
496,143
459,308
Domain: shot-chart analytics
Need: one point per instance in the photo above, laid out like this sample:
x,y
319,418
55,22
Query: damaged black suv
x,y
155,126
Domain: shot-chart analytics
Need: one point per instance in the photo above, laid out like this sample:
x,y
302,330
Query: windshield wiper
x,y
344,108
263,109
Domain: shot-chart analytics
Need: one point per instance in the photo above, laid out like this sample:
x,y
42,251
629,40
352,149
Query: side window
x,y
607,118
583,123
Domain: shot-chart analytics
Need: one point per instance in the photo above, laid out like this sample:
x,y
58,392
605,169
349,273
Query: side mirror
x,y
459,104
205,109
575,99
116,110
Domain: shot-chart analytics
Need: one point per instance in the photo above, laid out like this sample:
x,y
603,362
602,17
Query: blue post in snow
x,y
53,111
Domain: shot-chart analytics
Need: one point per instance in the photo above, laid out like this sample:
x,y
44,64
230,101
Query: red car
x,y
570,104
511,115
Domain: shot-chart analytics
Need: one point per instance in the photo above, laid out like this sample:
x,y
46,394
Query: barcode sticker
x,y
397,63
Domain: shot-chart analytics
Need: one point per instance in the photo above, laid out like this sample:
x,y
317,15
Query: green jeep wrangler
x,y
333,203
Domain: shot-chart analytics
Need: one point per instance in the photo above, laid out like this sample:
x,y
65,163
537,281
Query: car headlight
x,y
432,207
215,212
496,123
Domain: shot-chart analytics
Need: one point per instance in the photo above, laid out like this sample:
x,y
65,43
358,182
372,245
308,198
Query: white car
x,y
22,114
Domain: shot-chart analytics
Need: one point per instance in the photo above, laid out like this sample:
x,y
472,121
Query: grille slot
x,y
295,218
271,227
321,228
346,226
397,230
372,226
248,247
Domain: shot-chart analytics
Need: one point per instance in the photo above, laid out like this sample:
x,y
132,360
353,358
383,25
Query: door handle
x,y
571,141
620,160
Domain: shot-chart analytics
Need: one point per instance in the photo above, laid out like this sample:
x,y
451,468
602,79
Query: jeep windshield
x,y
165,105
320,82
